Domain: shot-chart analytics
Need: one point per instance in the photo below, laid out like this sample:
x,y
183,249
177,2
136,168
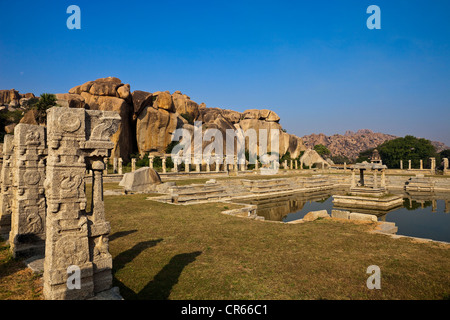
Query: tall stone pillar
x,y
105,171
235,164
383,178
433,165
187,164
345,166
27,236
150,161
133,164
421,164
75,239
409,164
285,165
164,169
296,164
375,179
217,164
301,164
445,165
401,164
7,185
114,165
175,164
256,164
290,165
120,170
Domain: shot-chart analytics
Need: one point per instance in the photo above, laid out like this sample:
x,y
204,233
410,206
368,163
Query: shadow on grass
x,y
161,285
127,256
120,234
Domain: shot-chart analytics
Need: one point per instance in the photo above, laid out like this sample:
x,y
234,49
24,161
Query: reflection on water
x,y
422,215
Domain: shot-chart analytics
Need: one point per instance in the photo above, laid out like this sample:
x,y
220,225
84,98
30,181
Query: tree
x,y
46,101
365,155
445,154
322,150
407,148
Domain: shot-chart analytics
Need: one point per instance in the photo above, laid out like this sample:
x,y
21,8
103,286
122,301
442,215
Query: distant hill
x,y
352,143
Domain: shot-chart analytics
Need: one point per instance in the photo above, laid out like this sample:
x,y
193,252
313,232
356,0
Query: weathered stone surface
x,y
10,97
154,128
314,215
7,185
124,92
164,101
105,87
340,214
78,140
123,139
363,217
141,99
110,94
144,179
28,200
70,100
30,117
184,105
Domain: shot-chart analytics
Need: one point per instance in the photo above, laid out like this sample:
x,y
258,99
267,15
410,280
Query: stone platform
x,y
383,203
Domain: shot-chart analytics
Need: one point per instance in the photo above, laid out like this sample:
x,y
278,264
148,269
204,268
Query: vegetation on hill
x,y
407,148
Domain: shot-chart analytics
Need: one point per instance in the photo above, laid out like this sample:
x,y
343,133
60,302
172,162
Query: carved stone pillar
x,y
133,164
7,185
77,139
27,236
164,169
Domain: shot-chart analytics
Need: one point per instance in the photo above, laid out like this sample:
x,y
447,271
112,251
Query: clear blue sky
x,y
315,63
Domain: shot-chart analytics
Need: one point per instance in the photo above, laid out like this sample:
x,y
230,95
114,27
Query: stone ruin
x,y
44,198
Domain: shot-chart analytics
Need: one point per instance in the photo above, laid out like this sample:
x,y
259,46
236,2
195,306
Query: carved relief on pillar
x,y
78,140
28,200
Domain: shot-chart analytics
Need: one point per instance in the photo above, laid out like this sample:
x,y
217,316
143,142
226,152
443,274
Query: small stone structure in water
x,y
364,196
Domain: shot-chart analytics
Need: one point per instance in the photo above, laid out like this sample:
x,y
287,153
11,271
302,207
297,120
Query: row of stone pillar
x,y
432,165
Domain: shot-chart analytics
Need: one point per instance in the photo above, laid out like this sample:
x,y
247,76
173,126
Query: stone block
x,y
340,214
314,215
144,179
363,217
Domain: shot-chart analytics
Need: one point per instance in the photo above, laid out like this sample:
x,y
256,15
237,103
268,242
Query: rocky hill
x,y
352,143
